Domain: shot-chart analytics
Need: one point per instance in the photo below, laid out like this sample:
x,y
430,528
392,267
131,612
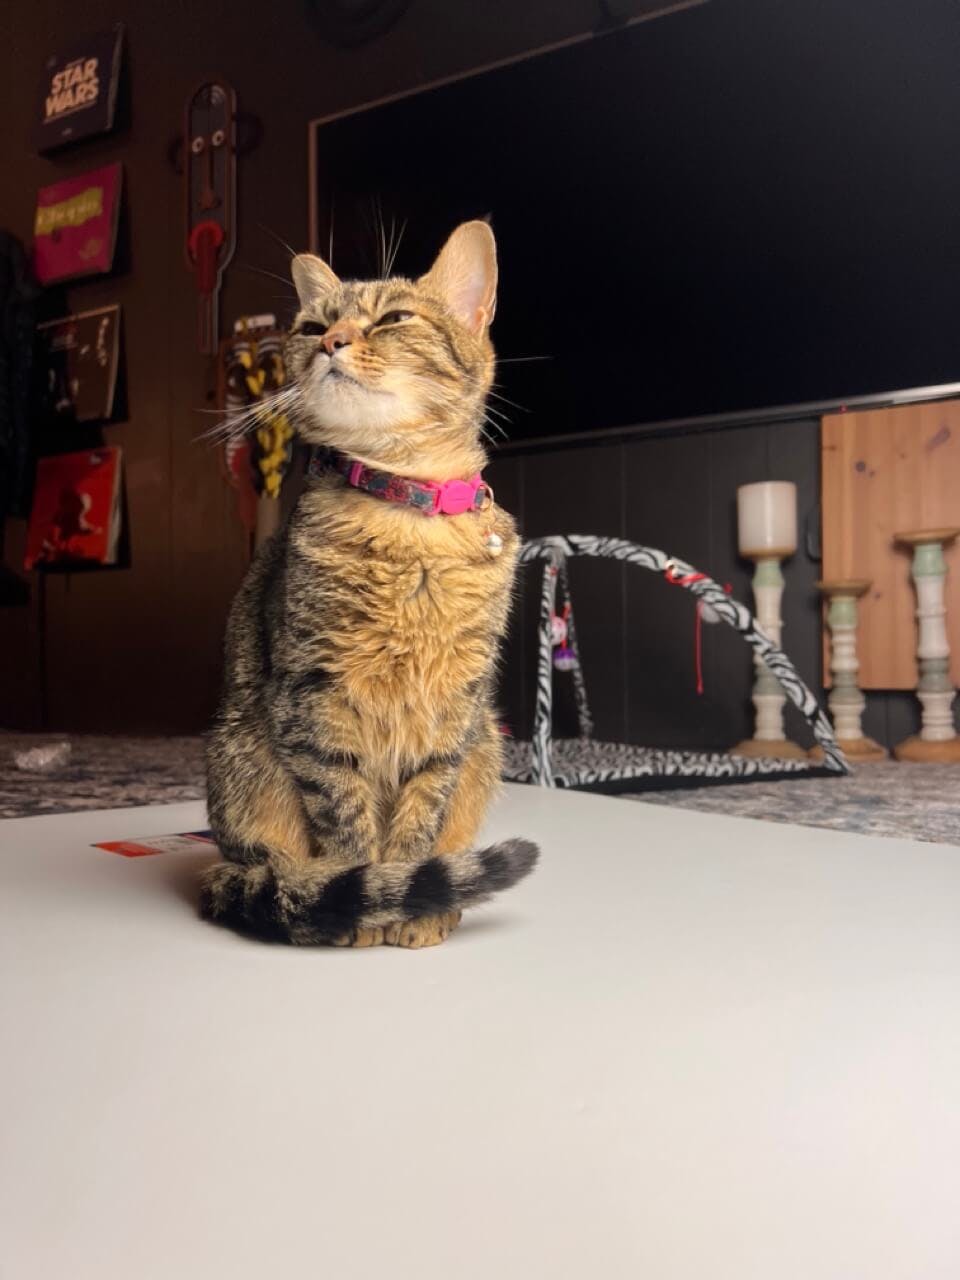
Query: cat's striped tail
x,y
323,901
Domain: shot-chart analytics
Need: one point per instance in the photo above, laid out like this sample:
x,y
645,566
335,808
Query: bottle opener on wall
x,y
210,177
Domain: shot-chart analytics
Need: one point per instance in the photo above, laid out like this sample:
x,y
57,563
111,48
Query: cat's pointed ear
x,y
313,279
464,275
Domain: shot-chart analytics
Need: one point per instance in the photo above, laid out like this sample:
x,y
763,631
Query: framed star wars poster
x,y
78,92
75,230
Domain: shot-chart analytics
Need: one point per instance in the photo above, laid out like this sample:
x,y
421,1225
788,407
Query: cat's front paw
x,y
368,937
425,931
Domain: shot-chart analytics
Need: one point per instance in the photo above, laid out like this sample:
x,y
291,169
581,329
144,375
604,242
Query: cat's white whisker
x,y
262,271
494,426
239,424
394,247
499,412
279,239
504,400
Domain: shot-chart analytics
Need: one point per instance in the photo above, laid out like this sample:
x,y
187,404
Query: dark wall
x,y
675,490
753,201
138,648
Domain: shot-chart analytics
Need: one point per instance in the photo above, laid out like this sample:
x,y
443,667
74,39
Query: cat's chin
x,y
349,428
383,428
343,405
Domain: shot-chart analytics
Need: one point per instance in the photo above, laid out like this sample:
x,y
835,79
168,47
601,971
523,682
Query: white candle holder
x,y
767,534
846,699
937,740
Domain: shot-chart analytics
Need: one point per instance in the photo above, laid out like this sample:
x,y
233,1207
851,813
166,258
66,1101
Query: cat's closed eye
x,y
312,329
393,317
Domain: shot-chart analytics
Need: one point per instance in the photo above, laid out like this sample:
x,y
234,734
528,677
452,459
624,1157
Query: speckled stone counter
x,y
919,801
101,773
890,799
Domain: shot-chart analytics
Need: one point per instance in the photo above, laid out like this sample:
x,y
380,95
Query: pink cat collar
x,y
451,498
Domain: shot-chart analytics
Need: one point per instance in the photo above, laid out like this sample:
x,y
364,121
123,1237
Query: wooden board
x,y
883,471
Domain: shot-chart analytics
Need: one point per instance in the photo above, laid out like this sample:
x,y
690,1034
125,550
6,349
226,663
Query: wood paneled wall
x,y
886,471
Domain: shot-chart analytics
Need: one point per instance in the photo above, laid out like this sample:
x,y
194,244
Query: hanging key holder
x,y
210,182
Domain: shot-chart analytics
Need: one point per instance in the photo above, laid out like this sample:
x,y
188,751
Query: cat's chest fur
x,y
430,624
404,616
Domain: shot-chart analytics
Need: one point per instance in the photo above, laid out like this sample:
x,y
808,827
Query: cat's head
x,y
395,372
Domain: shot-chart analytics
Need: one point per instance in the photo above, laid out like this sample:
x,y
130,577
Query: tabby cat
x,y
356,748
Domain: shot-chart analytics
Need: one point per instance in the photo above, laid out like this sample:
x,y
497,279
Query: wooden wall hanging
x,y
210,183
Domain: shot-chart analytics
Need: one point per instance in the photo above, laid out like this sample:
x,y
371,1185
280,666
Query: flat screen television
x,y
745,204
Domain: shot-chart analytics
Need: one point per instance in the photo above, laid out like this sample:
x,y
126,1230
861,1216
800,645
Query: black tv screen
x,y
747,204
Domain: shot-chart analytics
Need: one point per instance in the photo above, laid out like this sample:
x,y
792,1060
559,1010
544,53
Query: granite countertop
x,y
101,773
918,801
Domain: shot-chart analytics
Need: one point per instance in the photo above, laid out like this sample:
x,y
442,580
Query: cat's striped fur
x,y
356,749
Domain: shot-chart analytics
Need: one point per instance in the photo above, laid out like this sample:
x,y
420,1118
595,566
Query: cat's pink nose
x,y
339,335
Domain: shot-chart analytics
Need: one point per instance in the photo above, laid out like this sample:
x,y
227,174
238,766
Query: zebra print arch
x,y
586,764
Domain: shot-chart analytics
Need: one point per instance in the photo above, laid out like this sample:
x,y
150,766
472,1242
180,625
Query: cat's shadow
x,y
183,877
474,925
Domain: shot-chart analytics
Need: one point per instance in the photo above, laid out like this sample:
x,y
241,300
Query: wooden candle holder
x,y
846,699
937,740
769,736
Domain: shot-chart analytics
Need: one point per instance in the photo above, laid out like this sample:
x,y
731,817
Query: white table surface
x,y
689,1046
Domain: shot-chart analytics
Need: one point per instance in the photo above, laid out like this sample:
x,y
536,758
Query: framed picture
x,y
78,357
78,92
75,230
75,518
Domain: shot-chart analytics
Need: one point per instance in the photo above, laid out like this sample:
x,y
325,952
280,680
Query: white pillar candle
x,y
767,519
767,534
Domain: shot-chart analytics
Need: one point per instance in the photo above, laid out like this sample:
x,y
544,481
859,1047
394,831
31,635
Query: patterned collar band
x,y
452,498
